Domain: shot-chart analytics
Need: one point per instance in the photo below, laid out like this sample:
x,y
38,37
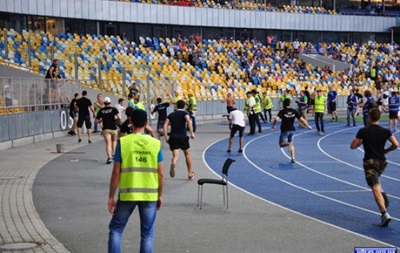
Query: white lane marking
x,y
349,164
283,207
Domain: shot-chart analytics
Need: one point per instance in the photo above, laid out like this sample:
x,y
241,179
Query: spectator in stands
x,y
8,92
133,90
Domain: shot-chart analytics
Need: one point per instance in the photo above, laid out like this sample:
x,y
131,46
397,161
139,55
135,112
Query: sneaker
x,y
228,151
109,160
71,133
292,161
94,132
172,170
354,124
89,141
79,140
385,219
348,125
386,199
318,132
240,151
321,133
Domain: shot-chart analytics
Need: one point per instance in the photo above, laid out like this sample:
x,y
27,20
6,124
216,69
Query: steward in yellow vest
x,y
138,171
319,110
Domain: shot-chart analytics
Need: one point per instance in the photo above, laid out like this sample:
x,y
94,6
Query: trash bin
x,y
60,148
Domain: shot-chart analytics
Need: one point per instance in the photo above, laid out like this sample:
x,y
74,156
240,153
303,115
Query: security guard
x,y
138,170
320,110
249,111
191,107
268,105
257,109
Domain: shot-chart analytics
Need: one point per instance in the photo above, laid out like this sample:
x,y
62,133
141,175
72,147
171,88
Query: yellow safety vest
x,y
267,103
257,106
319,104
191,101
139,106
246,106
139,168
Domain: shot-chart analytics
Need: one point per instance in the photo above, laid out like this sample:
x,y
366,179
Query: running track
x,y
326,183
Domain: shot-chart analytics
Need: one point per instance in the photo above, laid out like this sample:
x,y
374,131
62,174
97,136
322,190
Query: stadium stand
x,y
206,68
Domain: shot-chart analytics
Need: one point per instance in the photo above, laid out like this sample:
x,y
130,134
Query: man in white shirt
x,y
248,109
237,122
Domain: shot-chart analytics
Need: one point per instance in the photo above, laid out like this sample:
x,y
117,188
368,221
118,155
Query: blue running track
x,y
326,183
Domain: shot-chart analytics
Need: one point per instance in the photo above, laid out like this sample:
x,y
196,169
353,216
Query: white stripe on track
x,y
283,207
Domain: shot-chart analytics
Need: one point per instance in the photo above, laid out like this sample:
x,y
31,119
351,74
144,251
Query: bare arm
x,y
113,186
160,184
355,143
275,121
189,124
394,144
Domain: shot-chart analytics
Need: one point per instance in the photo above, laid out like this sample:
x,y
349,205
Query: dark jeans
x,y
350,112
269,114
319,118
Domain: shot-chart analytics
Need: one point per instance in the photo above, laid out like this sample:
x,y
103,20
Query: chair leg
x,y
223,194
198,195
227,199
201,197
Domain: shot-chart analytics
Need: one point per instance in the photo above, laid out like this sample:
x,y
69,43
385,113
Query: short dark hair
x,y
84,93
180,104
367,94
120,100
374,114
129,111
159,100
76,95
139,118
286,102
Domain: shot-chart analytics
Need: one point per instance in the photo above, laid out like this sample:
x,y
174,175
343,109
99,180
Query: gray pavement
x,y
60,202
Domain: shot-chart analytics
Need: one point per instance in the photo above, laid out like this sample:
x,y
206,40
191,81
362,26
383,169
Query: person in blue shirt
x,y
332,96
352,102
393,111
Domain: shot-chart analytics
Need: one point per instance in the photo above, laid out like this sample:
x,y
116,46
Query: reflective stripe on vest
x,y
319,104
139,168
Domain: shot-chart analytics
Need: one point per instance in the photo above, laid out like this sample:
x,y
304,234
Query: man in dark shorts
x,y
178,138
73,113
237,122
161,108
83,105
109,115
288,115
374,137
393,111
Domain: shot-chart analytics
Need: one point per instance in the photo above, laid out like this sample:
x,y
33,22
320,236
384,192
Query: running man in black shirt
x,y
288,115
178,138
109,115
83,105
161,108
374,137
